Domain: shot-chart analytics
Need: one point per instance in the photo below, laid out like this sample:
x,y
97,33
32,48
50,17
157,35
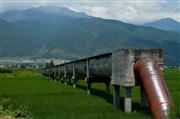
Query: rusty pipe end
x,y
151,78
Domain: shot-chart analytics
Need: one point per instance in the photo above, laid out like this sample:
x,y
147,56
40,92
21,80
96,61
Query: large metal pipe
x,y
156,91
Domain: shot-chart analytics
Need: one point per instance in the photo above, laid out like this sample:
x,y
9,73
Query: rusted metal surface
x,y
151,77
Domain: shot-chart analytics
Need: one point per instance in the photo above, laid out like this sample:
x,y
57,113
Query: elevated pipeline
x,y
156,91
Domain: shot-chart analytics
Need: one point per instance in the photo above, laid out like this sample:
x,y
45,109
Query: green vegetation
x,y
172,77
7,111
5,70
49,64
47,99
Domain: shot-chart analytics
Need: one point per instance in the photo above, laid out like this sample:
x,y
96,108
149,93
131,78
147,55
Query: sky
x,y
130,11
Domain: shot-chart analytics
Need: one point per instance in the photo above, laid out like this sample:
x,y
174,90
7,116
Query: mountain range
x,y
66,34
167,24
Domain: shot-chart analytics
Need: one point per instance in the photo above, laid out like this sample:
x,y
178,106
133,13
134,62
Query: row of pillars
x,y
75,82
127,98
116,93
107,89
86,78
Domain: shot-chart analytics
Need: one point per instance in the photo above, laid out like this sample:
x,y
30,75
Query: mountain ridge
x,y
41,13
167,24
75,37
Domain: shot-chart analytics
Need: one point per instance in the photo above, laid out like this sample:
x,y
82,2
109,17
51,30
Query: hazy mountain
x,y
63,11
68,37
42,14
13,42
167,24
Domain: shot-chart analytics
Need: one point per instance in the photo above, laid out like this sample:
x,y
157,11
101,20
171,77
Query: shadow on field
x,y
109,98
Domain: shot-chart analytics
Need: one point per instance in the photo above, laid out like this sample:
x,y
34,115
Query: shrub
x,y
21,112
5,70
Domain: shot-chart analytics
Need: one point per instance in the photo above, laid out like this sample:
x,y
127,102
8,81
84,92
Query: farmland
x,y
47,99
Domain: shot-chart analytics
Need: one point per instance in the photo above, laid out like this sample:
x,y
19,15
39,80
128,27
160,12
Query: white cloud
x,y
97,11
136,11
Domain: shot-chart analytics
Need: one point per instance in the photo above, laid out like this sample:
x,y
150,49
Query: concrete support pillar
x,y
74,82
77,82
59,81
87,78
56,80
65,82
54,76
65,73
116,96
69,80
143,100
48,78
62,80
73,77
107,89
127,100
49,74
59,75
87,68
88,88
74,85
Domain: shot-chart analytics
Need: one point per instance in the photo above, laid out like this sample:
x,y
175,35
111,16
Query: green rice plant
x,y
177,112
46,99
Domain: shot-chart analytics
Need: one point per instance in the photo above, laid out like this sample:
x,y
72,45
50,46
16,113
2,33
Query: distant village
x,y
29,63
37,63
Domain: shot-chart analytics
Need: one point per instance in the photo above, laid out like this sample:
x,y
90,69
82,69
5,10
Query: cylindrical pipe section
x,y
151,78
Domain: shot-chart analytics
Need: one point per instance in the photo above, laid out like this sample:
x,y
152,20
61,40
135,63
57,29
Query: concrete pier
x,y
74,80
88,88
107,89
116,96
128,99
143,99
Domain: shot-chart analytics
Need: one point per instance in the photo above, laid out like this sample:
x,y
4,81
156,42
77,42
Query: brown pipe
x,y
151,78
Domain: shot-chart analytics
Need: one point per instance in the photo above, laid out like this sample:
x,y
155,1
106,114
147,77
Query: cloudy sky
x,y
131,11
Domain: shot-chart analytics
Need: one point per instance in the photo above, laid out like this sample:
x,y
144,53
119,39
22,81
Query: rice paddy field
x,y
27,92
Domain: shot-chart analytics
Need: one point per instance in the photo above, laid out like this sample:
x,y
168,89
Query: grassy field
x,y
51,100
